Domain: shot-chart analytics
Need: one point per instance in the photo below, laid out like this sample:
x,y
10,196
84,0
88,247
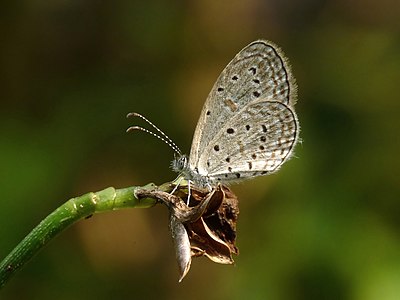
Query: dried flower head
x,y
204,227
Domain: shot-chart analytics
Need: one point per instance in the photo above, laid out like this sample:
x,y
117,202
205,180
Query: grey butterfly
x,y
248,126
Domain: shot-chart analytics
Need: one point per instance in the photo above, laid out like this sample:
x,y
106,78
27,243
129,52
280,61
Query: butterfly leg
x,y
188,198
179,179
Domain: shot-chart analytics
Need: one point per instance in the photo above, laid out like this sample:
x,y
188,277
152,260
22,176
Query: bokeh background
x,y
327,226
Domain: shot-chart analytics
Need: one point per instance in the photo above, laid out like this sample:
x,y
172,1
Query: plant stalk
x,y
67,214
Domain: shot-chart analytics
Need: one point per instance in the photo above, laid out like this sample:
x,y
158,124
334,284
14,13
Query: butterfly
x,y
247,127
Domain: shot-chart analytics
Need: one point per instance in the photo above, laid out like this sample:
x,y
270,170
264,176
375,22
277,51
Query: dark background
x,y
326,226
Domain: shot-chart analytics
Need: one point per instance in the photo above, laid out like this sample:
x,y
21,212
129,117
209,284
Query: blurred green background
x,y
327,226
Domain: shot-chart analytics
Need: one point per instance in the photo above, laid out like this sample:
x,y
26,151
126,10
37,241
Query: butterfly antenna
x,y
162,137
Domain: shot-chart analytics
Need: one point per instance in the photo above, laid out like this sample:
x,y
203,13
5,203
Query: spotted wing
x,y
256,141
259,71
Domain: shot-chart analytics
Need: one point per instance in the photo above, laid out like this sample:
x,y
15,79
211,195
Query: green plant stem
x,y
67,214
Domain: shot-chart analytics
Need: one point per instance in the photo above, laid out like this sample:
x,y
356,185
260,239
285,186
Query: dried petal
x,y
182,246
214,234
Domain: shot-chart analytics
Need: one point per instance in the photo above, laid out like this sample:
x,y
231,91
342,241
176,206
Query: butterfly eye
x,y
182,162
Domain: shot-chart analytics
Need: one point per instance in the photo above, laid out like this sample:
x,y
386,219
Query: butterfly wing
x,y
256,141
259,71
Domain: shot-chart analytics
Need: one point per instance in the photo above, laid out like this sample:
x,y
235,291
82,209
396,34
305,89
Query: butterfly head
x,y
180,163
